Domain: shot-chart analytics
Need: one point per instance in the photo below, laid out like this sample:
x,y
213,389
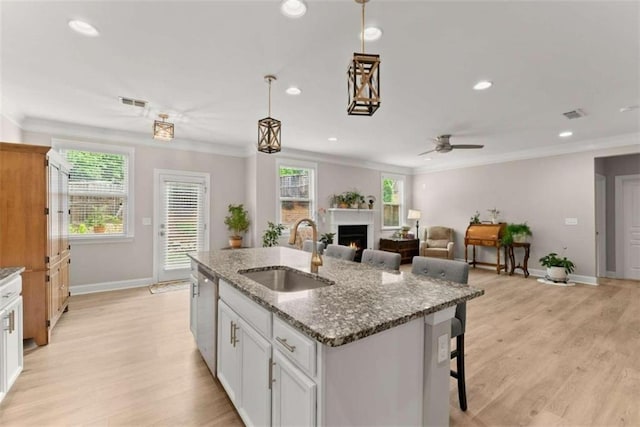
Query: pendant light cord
x,y
269,79
362,33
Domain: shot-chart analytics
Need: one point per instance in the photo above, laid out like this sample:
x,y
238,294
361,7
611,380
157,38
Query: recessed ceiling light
x,y
83,28
371,34
293,8
482,85
333,139
565,134
293,91
629,108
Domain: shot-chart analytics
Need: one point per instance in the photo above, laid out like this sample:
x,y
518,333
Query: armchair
x,y
437,243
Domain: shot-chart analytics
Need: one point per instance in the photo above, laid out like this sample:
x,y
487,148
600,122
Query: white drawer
x,y
252,313
10,290
297,346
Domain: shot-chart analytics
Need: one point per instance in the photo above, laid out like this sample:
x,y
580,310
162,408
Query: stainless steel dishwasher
x,y
207,317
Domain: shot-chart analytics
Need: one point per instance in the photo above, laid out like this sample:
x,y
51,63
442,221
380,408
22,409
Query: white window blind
x,y
184,224
98,193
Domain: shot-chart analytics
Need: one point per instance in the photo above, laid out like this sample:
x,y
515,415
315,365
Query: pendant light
x,y
363,80
269,128
163,130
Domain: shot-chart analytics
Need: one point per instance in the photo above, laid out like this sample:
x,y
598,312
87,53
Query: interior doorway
x,y
180,216
628,226
601,225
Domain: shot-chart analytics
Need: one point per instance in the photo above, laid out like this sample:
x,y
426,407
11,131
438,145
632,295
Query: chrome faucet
x,y
316,259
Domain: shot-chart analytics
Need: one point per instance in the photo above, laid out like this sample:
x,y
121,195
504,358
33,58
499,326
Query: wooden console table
x,y
512,260
407,248
486,235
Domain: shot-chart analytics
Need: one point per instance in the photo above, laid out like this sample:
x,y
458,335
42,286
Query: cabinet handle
x,y
271,365
286,345
12,321
193,290
235,334
231,333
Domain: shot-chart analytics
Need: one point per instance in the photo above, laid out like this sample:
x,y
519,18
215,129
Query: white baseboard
x,y
109,286
587,280
610,275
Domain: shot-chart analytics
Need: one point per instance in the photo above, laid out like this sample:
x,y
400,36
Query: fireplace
x,y
354,236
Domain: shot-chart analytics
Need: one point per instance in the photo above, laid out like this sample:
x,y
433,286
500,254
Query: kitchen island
x,y
361,351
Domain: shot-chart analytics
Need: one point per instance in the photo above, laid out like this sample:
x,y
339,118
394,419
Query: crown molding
x,y
71,131
631,139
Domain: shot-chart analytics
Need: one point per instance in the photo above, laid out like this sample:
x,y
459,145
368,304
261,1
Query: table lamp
x,y
415,214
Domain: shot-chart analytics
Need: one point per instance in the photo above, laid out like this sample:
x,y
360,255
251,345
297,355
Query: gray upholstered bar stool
x,y
307,246
341,252
381,259
454,271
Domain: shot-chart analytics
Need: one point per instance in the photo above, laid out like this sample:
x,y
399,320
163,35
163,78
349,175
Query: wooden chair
x,y
381,259
340,252
454,271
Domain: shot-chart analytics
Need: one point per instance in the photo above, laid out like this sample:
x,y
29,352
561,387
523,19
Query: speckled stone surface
x,y
7,273
363,301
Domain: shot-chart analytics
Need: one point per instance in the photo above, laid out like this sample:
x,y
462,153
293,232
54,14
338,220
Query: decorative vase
x,y
520,238
557,274
354,205
235,242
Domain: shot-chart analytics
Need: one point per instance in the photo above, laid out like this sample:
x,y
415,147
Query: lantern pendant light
x,y
163,130
269,128
363,80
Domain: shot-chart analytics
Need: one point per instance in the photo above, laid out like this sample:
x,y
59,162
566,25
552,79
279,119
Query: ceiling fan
x,y
444,146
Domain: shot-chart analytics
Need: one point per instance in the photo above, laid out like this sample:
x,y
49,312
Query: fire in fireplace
x,y
353,236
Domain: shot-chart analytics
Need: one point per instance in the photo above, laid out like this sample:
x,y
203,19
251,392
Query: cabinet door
x,y
206,329
54,218
64,213
193,307
63,295
228,360
53,293
12,342
294,394
255,357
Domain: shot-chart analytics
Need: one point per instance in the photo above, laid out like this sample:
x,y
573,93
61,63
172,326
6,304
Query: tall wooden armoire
x,y
34,231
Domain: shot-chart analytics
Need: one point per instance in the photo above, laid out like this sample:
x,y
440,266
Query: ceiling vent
x,y
133,102
575,114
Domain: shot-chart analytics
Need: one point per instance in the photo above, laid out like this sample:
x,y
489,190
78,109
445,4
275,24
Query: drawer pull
x,y
286,345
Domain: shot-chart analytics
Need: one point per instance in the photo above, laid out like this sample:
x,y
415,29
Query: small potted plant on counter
x,y
327,238
238,223
558,268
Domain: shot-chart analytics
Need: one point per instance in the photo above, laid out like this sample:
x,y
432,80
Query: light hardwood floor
x,y
536,355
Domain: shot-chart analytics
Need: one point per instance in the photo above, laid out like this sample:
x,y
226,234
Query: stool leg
x,y
462,388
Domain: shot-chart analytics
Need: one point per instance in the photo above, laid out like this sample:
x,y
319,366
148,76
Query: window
x,y
99,190
297,190
392,200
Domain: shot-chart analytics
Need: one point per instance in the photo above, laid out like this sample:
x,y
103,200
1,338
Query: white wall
x,y
9,130
131,261
542,192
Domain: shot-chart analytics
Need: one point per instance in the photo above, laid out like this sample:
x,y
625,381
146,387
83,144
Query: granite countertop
x,y
364,300
7,273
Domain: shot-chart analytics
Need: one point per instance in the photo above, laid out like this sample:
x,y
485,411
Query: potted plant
x,y
557,268
334,200
475,219
370,201
327,238
238,223
518,233
353,198
342,201
272,234
97,220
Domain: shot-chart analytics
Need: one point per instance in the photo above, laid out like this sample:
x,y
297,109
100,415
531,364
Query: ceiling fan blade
x,y
427,152
467,146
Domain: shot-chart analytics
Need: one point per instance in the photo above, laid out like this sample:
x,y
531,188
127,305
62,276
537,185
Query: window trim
x,y
281,162
403,203
63,144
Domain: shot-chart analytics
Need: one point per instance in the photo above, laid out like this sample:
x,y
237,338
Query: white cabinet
x,y
193,300
293,394
206,319
11,357
244,358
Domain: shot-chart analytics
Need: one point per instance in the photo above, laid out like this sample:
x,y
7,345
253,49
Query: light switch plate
x,y
146,221
571,221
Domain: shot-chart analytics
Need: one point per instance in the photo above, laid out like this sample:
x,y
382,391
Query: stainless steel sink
x,y
285,279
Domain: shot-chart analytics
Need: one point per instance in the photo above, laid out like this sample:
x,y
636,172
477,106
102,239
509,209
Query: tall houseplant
x,y
516,233
238,223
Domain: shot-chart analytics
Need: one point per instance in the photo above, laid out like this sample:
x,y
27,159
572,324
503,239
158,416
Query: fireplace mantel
x,y
338,216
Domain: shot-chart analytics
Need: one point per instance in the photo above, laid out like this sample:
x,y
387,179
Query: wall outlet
x,y
443,348
571,221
